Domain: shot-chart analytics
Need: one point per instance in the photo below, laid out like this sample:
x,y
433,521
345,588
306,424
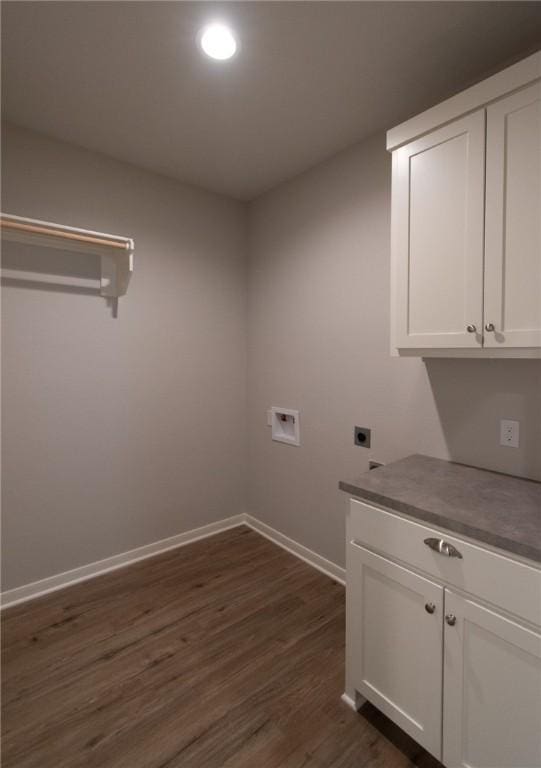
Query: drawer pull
x,y
451,619
443,547
430,607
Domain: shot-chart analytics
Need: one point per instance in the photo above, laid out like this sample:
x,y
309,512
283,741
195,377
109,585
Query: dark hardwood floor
x,y
226,653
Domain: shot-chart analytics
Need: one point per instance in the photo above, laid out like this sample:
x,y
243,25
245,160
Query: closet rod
x,y
37,230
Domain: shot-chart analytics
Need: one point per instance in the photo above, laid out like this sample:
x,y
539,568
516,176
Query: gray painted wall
x,y
119,432
319,341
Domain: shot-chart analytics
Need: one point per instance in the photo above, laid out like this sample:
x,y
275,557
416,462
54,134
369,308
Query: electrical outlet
x,y
509,433
361,436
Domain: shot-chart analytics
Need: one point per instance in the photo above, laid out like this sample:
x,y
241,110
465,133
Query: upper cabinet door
x,y
437,237
513,221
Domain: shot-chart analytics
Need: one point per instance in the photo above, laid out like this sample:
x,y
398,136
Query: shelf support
x,y
115,252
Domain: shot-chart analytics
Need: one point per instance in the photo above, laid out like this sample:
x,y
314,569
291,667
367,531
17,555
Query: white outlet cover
x,y
285,425
509,433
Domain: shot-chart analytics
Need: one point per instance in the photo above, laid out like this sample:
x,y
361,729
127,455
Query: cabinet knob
x,y
490,327
471,328
430,607
451,619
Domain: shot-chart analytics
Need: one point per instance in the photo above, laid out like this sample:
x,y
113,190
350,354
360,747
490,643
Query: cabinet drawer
x,y
507,583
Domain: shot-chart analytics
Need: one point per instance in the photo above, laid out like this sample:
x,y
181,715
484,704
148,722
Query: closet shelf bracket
x,y
115,252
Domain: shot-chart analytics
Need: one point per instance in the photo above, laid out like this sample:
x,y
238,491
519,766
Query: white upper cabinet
x,y
513,221
466,221
439,189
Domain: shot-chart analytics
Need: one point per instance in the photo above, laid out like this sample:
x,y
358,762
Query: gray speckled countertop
x,y
492,508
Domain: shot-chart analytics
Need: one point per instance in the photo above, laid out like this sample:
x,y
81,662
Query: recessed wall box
x,y
285,425
361,436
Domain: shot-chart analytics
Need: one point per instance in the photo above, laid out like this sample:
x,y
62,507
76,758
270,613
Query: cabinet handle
x,y
430,608
490,327
451,619
443,547
471,328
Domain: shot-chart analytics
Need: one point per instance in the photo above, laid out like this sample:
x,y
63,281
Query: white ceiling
x,y
127,79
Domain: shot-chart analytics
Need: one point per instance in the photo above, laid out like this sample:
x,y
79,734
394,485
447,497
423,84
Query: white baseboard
x,y
60,580
348,701
299,550
354,702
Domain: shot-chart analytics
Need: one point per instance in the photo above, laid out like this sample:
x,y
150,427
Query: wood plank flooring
x,y
226,653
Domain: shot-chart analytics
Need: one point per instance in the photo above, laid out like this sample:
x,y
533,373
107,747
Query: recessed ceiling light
x,y
218,42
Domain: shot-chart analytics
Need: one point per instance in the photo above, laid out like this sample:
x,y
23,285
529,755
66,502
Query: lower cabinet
x,y
492,689
397,631
462,679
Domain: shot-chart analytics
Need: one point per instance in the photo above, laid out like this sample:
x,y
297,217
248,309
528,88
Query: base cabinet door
x,y
395,627
492,689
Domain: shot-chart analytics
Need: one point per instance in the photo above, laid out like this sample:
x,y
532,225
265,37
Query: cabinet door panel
x,y
492,690
437,237
394,644
513,220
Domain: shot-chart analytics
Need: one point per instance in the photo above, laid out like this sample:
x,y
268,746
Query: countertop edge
x,y
454,526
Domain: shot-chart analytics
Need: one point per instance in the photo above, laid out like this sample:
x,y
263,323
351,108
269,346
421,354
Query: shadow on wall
x,y
472,396
47,269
